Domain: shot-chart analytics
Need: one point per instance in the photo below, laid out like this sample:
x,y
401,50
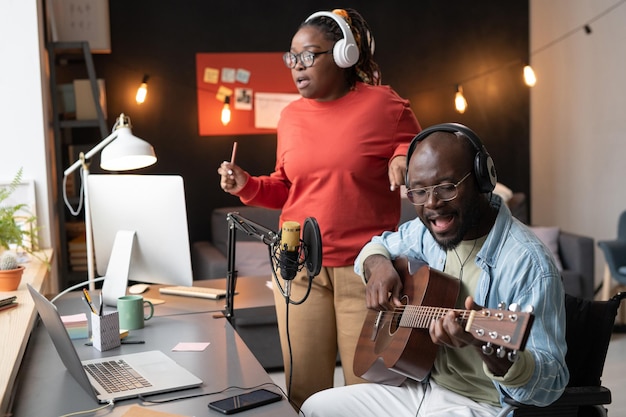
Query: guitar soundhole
x,y
394,323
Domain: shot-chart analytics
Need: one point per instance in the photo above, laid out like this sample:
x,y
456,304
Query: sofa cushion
x,y
264,217
252,259
550,237
572,283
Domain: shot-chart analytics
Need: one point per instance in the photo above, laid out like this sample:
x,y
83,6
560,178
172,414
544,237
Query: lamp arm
x,y
91,153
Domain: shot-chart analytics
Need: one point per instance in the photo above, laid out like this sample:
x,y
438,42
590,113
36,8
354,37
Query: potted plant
x,y
10,272
17,226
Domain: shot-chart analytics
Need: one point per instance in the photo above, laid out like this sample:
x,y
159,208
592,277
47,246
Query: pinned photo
x,y
243,99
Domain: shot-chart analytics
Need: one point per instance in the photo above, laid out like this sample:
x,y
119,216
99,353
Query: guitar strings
x,y
415,312
422,315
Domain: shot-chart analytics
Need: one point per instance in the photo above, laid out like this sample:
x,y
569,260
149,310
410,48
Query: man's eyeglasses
x,y
444,192
306,57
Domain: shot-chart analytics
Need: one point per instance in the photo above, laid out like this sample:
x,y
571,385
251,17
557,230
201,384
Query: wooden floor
x,y
614,376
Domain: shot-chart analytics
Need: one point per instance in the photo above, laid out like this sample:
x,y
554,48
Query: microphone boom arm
x,y
311,245
251,228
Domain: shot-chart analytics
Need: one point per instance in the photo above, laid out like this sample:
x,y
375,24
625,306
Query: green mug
x,y
131,309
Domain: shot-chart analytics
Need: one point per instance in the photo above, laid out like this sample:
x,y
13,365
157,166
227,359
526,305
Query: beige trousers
x,y
328,322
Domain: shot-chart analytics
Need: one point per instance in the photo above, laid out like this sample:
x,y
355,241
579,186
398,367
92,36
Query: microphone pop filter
x,y
313,244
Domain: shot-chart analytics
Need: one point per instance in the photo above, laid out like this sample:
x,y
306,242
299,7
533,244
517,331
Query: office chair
x,y
615,256
589,325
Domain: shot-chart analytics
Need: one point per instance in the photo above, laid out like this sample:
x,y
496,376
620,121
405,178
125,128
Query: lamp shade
x,y
127,152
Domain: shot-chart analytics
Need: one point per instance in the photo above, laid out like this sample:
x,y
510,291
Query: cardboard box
x,y
85,104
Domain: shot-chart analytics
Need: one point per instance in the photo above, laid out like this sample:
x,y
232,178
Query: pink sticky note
x,y
190,347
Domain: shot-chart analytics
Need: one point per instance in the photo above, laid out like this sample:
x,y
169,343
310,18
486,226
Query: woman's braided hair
x,y
366,69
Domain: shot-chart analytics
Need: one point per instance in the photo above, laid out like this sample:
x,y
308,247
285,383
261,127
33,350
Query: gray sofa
x,y
251,255
575,252
577,256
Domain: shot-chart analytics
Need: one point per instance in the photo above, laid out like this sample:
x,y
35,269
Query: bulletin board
x,y
259,86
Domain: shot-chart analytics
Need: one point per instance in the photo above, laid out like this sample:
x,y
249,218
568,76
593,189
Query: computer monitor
x,y
145,218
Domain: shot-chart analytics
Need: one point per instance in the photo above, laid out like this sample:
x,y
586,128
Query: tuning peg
x,y
513,356
501,352
501,305
487,349
529,309
515,307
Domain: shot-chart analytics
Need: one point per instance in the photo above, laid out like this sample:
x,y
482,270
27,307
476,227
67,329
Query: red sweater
x,y
331,164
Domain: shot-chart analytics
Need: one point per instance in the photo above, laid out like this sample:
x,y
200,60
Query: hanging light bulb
x,y
459,101
529,76
226,111
142,90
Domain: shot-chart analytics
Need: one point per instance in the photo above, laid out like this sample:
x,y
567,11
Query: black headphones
x,y
345,51
484,169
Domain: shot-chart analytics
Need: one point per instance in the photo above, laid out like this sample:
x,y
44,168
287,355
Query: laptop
x,y
157,372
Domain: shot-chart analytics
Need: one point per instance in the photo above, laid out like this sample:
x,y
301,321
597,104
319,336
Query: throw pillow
x,y
550,237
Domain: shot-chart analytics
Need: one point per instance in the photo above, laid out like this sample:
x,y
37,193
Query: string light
x,y
142,90
529,76
226,111
459,100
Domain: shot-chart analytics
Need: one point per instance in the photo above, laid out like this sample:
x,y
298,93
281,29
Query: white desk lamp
x,y
126,153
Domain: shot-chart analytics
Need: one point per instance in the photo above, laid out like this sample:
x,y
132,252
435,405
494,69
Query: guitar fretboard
x,y
419,317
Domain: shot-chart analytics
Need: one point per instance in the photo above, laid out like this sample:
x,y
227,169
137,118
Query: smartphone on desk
x,y
247,401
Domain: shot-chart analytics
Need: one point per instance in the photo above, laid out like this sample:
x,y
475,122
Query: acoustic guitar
x,y
396,344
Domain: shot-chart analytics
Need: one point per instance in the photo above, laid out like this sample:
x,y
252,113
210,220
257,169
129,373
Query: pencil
x,y
88,301
232,156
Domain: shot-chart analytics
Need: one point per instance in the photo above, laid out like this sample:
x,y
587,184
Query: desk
x,y
16,325
252,292
45,388
254,316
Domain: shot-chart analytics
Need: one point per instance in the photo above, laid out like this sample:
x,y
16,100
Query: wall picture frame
x,y
80,20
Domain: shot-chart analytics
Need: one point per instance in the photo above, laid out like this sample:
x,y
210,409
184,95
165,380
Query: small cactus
x,y
8,260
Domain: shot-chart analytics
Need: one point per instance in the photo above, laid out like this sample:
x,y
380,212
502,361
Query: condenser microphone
x,y
289,250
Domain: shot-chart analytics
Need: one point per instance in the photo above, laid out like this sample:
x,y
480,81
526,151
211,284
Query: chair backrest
x,y
588,333
621,226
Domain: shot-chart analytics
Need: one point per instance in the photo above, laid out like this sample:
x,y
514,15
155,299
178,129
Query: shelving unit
x,y
69,61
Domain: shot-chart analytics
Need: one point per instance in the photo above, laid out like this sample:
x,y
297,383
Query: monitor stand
x,y
116,278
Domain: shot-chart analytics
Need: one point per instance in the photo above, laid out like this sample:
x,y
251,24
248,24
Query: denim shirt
x,y
516,268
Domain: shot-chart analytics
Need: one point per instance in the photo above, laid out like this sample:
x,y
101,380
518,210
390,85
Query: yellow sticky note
x,y
211,75
223,92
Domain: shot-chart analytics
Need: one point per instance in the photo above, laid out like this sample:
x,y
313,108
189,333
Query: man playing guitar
x,y
464,231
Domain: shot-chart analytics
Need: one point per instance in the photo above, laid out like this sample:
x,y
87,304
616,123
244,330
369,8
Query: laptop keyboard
x,y
116,376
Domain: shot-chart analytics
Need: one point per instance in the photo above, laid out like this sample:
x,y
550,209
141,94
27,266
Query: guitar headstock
x,y
505,328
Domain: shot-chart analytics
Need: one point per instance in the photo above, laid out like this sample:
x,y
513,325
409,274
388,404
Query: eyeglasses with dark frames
x,y
306,57
444,192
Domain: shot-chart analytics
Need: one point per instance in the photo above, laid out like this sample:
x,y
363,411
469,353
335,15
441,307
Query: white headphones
x,y
345,51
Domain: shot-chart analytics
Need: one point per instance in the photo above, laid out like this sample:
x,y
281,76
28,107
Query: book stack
x,y
7,303
76,325
77,249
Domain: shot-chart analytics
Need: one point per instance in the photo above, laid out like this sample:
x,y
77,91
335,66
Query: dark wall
x,y
424,48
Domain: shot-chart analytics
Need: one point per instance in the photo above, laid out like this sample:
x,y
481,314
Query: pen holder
x,y
105,331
